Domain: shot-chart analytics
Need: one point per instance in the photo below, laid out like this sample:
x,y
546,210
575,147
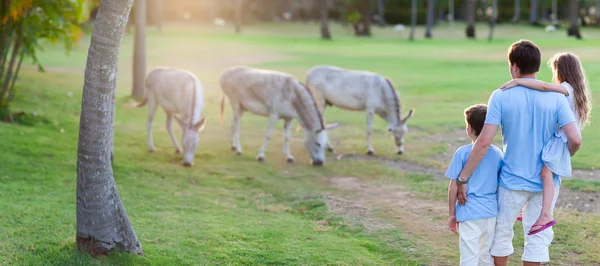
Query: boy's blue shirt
x,y
482,187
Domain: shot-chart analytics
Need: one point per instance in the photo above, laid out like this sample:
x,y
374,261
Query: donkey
x,y
274,95
177,91
360,91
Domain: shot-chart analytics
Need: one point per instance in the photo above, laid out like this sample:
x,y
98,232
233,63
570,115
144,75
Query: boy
x,y
476,220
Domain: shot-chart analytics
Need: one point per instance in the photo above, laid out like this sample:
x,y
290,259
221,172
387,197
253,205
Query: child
x,y
569,78
476,220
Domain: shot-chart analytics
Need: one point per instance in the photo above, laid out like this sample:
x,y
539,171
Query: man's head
x,y
475,118
524,58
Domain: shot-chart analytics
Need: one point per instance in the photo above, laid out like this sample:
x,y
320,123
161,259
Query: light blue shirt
x,y
482,200
528,119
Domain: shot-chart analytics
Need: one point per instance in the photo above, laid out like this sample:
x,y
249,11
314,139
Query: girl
x,y
569,79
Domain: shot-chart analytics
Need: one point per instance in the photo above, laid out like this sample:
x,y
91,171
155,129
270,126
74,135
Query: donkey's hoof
x,y
290,160
233,148
177,151
400,152
239,153
370,153
151,150
261,159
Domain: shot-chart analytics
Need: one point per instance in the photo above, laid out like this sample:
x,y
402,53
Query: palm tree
x,y
430,10
493,17
139,50
102,222
325,34
574,19
555,11
239,6
533,12
471,19
413,19
517,15
597,12
380,11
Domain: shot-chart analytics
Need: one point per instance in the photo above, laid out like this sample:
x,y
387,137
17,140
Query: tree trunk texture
x,y
517,9
10,71
102,222
470,32
413,19
238,20
139,51
493,17
430,18
451,13
597,12
11,88
158,14
533,12
574,19
325,34
381,13
554,16
363,27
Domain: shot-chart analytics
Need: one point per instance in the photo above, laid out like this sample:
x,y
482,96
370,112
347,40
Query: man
x,y
528,119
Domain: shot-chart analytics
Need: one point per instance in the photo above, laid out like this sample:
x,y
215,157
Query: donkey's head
x,y
189,139
399,130
316,144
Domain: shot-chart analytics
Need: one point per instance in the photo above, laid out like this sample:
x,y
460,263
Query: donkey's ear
x,y
199,127
408,116
181,123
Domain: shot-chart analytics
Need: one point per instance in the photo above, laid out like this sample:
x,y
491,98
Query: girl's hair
x,y
567,68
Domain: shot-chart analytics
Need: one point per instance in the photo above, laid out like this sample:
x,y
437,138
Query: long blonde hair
x,y
567,68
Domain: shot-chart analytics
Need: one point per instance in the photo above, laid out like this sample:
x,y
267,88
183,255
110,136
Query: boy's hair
x,y
475,117
526,55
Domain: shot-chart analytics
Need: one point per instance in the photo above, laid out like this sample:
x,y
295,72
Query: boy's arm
x,y
536,85
452,188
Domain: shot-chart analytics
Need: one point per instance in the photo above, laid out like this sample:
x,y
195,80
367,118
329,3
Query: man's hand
x,y
462,194
452,224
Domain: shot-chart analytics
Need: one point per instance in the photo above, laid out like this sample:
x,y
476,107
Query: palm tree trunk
x,y
430,10
533,12
597,12
380,11
470,32
102,222
413,19
139,51
239,6
493,17
325,34
554,17
451,13
517,15
574,19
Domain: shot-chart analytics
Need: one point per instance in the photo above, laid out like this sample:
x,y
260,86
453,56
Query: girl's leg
x,y
547,196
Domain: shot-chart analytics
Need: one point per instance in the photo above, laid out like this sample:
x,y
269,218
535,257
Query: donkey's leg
x,y
370,150
151,110
286,139
170,130
272,121
235,128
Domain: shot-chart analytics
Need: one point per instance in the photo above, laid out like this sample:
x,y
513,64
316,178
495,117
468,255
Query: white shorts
x,y
511,203
476,238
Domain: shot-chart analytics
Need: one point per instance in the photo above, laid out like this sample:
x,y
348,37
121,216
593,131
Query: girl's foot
x,y
543,220
520,217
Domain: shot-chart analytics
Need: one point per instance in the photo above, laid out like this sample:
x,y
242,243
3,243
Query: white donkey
x,y
275,95
177,91
360,91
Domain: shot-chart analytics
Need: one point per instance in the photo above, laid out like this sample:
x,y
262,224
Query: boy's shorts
x,y
476,237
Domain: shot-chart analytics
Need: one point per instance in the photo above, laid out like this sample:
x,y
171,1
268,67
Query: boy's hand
x,y
452,224
510,84
461,192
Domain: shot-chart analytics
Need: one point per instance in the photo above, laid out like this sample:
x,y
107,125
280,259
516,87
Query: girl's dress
x,y
556,155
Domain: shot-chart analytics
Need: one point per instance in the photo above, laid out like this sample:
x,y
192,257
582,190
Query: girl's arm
x,y
536,85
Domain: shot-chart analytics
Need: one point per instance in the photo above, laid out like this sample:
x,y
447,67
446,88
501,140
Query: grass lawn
x,y
235,211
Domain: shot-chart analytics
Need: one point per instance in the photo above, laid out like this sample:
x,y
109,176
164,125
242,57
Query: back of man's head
x,y
526,56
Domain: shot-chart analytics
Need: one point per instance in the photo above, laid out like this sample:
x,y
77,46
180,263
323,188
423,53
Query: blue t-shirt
x,y
482,201
528,118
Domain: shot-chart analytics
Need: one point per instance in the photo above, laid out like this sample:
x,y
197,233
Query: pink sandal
x,y
520,217
544,227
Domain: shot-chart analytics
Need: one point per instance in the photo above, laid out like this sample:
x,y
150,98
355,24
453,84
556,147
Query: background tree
x,y
533,12
471,18
102,222
574,19
381,12
554,17
517,10
139,51
324,8
430,17
493,17
25,24
238,15
413,19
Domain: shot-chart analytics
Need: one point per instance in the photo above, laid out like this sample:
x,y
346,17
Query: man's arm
x,y
481,147
573,136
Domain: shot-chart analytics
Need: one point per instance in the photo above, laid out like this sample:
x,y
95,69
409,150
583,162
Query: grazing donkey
x,y
177,91
275,95
360,91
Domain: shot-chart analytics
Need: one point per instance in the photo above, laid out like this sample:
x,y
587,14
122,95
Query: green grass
x,y
214,213
582,185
